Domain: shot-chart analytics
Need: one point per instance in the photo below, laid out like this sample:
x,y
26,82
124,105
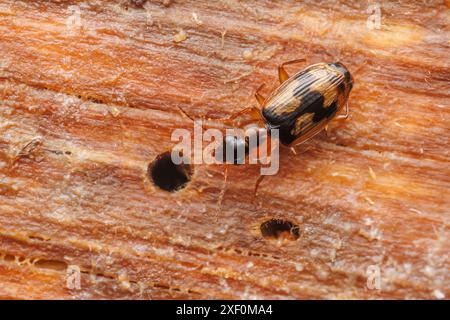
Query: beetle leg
x,y
293,151
344,116
252,112
282,74
258,96
302,149
258,182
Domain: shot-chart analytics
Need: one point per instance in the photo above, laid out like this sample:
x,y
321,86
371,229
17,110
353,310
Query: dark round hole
x,y
279,228
168,175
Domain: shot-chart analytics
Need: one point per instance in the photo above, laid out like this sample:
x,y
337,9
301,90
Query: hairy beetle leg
x,y
252,113
258,96
344,116
282,73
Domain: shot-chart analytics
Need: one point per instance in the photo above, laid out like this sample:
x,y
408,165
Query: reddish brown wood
x,y
85,108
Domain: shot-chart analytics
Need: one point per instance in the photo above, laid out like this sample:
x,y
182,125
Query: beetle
x,y
301,106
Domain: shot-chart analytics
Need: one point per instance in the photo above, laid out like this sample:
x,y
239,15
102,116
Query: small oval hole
x,y
279,228
168,175
51,264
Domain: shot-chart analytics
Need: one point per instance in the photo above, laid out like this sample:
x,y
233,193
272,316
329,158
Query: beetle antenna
x,y
258,182
360,67
222,191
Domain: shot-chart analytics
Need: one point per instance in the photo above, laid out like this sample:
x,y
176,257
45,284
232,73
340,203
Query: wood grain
x,y
86,105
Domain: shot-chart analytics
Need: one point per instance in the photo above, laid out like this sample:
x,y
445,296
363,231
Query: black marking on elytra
x,y
312,102
284,123
323,113
350,85
305,80
341,87
285,135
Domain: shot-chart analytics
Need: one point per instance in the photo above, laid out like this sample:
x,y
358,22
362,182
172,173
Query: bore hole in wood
x,y
168,175
280,228
51,264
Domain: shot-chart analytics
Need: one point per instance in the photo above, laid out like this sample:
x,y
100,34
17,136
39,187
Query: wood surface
x,y
90,92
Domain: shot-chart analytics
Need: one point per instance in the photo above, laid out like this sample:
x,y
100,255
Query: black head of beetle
x,y
232,150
